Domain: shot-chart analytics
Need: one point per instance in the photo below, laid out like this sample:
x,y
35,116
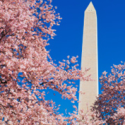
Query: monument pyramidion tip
x,y
90,8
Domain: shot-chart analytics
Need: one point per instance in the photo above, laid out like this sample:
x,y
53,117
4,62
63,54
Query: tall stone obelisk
x,y
89,59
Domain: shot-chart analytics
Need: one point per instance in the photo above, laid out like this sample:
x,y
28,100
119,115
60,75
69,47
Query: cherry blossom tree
x,y
88,118
119,116
111,103
26,26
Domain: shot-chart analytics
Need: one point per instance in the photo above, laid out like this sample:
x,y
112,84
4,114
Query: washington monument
x,y
89,59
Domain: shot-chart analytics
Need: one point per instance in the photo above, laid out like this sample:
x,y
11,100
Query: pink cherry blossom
x,y
110,104
22,51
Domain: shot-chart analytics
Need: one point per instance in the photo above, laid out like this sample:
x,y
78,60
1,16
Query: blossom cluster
x,y
25,29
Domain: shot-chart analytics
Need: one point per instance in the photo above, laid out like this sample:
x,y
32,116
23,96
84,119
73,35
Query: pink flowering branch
x,y
24,34
113,93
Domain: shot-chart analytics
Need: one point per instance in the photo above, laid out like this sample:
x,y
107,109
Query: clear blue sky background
x,y
111,35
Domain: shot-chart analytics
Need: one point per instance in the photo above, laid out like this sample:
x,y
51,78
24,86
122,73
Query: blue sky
x,y
111,34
